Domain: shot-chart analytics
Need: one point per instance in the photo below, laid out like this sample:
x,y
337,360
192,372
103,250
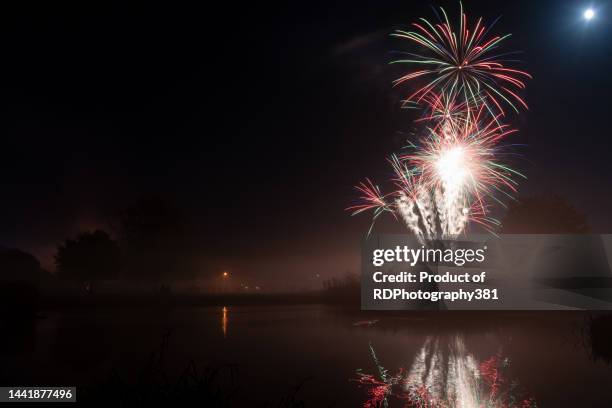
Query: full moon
x,y
589,14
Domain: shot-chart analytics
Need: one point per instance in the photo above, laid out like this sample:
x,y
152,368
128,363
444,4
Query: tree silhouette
x,y
546,214
18,266
598,333
91,256
20,274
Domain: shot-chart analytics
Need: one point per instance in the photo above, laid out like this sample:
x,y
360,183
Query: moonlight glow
x,y
589,14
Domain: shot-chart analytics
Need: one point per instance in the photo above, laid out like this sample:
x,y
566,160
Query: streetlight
x,y
225,277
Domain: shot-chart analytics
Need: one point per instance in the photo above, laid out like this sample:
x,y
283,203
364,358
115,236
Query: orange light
x,y
224,321
225,274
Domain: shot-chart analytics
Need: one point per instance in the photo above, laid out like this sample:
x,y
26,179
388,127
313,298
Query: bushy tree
x,y
18,266
91,256
20,273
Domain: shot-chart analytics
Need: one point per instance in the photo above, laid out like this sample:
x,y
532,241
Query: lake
x,y
272,349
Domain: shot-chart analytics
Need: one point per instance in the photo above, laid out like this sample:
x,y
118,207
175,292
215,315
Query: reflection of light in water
x,y
224,322
451,376
443,375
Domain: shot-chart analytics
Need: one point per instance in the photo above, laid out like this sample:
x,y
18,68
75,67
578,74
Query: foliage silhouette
x,y
20,275
91,256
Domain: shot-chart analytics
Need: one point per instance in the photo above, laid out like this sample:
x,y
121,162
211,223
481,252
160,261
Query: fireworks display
x,y
454,173
465,63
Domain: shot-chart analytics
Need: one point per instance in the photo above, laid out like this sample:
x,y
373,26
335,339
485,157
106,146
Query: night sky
x,y
257,120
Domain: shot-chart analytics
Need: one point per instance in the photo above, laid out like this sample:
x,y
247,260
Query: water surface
x,y
276,348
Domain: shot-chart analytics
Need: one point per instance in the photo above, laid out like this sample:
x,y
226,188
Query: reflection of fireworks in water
x,y
444,377
455,377
454,173
379,388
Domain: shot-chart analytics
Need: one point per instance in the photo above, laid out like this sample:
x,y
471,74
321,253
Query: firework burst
x,y
463,63
451,176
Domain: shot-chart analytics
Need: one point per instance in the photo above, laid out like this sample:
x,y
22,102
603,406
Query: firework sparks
x,y
463,62
446,181
453,174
